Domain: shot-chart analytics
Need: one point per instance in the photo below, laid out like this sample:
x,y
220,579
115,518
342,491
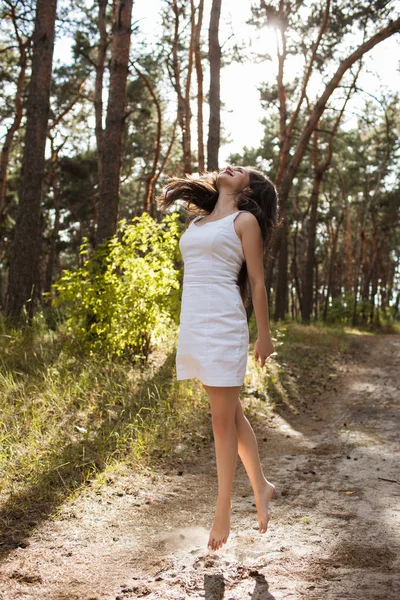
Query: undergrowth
x,y
66,419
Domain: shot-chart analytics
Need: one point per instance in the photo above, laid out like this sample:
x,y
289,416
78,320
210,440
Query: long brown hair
x,y
259,198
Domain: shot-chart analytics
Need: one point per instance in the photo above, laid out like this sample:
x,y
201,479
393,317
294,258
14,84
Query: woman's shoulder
x,y
247,221
248,216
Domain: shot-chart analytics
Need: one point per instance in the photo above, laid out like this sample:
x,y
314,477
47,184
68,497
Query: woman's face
x,y
234,179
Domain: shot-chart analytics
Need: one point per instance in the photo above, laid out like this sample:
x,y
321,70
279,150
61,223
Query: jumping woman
x,y
223,250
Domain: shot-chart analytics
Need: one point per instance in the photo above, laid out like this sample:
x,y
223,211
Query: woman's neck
x,y
225,204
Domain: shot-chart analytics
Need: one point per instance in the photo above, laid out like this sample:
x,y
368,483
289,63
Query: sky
x,y
239,82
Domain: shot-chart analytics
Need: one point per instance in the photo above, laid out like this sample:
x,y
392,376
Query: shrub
x,y
125,297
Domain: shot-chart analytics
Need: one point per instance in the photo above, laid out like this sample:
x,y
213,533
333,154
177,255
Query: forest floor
x,y
334,528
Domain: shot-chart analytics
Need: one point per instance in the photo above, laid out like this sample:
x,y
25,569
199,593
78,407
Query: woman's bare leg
x,y
248,452
223,402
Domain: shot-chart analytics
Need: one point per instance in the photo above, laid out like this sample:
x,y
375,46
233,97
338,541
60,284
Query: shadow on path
x,y
214,587
25,510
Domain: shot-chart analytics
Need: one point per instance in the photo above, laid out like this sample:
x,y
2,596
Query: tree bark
x,y
329,287
53,240
98,89
296,272
312,235
184,112
349,277
200,92
282,278
5,152
112,159
23,281
52,181
316,303
152,177
214,54
187,150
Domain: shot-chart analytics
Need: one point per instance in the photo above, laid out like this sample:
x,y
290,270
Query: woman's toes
x,y
216,544
263,527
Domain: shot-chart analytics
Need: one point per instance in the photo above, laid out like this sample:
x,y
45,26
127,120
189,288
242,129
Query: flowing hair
x,y
260,198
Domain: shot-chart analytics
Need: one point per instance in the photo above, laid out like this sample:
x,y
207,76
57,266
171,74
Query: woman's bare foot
x,y
262,498
221,527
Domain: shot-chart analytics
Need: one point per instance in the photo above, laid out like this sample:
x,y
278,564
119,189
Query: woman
x,y
223,251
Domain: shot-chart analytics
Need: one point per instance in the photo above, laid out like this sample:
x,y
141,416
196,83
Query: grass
x,y
66,420
304,357
304,364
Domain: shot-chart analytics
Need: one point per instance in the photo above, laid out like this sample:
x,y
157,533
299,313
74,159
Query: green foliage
x,y
126,295
67,420
341,309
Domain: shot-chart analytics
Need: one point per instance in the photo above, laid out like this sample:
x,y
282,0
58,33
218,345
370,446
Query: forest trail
x,y
334,530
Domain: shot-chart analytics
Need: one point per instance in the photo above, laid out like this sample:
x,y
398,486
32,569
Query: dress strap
x,y
194,220
235,214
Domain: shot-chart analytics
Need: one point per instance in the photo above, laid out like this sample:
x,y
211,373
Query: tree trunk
x,y
109,191
184,113
98,89
331,267
53,238
214,126
282,279
308,285
152,177
5,152
187,149
349,278
200,93
316,298
23,287
374,289
296,271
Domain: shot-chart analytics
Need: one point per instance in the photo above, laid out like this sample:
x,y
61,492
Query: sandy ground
x,y
334,530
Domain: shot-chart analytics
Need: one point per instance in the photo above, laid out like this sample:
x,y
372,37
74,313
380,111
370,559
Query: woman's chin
x,y
226,180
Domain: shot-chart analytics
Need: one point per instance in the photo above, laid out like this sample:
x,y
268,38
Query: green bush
x,y
126,295
341,309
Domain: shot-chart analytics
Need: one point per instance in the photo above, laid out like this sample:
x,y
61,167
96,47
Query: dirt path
x,y
335,519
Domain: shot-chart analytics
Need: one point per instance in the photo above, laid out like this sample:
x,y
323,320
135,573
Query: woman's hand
x,y
262,349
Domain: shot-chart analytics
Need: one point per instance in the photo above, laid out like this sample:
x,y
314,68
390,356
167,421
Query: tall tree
x,y
214,126
23,280
200,92
152,176
319,170
98,90
115,121
23,45
293,148
180,18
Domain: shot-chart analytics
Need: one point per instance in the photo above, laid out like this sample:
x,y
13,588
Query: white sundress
x,y
213,331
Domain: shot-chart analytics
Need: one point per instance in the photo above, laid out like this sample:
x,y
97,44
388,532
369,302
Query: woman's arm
x,y
249,231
